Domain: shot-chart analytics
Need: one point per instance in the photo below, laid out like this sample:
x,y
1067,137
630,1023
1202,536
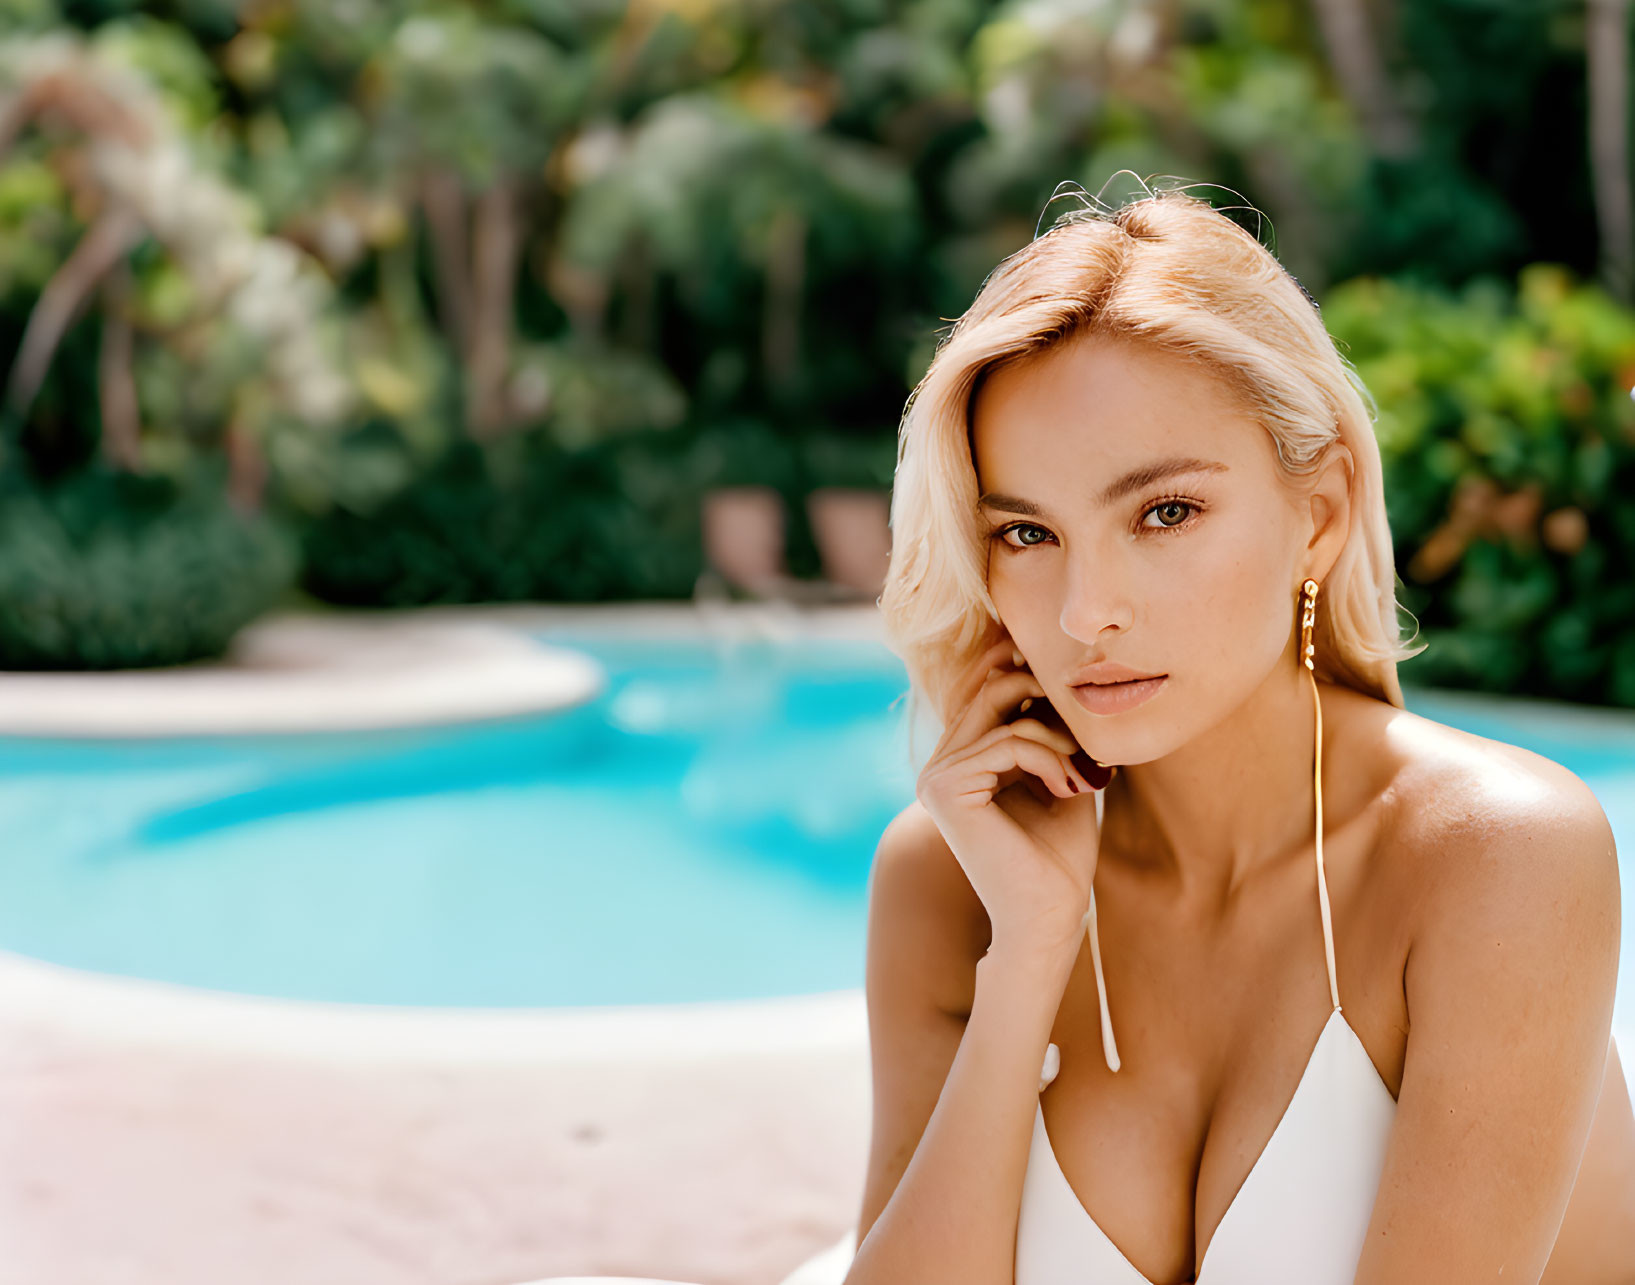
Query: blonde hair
x,y
1170,270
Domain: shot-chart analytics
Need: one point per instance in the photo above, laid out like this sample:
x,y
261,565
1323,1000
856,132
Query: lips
x,y
1117,697
1106,672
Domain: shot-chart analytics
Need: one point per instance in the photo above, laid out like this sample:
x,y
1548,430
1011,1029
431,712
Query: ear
x,y
1328,500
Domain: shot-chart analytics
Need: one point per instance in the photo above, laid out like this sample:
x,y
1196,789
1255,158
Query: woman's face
x,y
1099,552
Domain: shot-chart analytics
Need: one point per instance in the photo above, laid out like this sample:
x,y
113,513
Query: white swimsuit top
x,y
1301,1215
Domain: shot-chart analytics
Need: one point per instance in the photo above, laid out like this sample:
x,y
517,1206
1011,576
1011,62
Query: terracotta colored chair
x,y
744,544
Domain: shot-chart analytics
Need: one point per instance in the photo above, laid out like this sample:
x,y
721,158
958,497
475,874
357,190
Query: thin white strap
x,y
1322,878
1109,1045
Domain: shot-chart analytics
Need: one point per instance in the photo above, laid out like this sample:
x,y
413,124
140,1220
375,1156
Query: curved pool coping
x,y
296,673
83,1002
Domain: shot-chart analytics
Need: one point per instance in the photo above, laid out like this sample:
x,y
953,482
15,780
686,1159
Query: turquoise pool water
x,y
701,831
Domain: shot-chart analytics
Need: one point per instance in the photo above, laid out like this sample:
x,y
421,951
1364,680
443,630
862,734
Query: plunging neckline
x,y
1237,1197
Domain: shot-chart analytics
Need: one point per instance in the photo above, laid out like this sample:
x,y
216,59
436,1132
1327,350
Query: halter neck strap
x,y
1108,1044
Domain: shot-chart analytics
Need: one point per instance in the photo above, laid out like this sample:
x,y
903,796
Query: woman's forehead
x,y
1101,386
1111,410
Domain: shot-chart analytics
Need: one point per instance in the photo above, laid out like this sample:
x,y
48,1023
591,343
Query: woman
x,y
1198,956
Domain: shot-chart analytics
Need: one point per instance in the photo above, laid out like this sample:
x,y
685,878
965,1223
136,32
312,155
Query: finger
x,y
1057,739
970,682
1001,692
979,770
998,735
996,728
1065,745
982,709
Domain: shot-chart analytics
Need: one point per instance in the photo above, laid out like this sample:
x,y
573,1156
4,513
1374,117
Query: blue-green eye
x,y
1018,526
1188,509
1192,510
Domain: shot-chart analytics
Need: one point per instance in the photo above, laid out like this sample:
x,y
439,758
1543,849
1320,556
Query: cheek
x,y
1008,589
1229,606
1028,600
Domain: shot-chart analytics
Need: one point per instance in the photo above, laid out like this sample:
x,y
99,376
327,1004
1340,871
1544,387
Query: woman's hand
x,y
1014,807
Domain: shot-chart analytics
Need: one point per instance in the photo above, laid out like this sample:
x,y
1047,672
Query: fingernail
x,y
1072,785
1018,659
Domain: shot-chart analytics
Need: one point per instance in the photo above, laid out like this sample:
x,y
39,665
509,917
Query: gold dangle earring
x,y
1308,622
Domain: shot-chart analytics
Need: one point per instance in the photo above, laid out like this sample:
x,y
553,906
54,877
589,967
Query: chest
x,y
1301,1213
1237,1080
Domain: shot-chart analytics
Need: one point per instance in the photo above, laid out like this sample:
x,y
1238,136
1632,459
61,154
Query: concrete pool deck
x,y
159,1134
312,674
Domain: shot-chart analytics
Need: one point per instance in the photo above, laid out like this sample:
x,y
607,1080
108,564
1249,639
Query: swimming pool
x,y
701,831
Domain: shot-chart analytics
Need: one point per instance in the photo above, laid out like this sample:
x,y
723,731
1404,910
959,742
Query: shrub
x,y
1508,437
110,570
520,520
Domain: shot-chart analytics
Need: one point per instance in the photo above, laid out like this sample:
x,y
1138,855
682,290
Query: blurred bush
x,y
1508,434
518,520
106,570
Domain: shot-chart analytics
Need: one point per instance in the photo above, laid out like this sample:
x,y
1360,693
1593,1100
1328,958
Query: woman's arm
x,y
950,1143
1509,986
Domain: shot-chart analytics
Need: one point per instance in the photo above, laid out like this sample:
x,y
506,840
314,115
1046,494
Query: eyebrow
x,y
1136,479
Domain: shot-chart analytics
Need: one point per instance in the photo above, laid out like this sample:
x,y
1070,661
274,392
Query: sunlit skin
x,y
1473,884
1193,576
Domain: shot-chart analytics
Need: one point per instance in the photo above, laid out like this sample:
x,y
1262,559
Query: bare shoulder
x,y
924,916
1484,836
1501,867
926,931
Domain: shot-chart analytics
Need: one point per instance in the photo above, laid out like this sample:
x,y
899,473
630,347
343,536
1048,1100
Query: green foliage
x,y
1500,176
517,521
172,62
744,451
21,16
35,228
1508,437
863,460
735,231
485,97
588,396
111,571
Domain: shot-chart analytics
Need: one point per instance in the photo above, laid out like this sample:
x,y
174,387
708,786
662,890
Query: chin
x,y
1131,746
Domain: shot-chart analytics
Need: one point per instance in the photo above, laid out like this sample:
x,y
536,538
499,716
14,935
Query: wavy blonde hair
x,y
1170,270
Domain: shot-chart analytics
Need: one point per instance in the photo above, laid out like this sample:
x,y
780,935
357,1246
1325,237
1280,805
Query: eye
x,y
1167,508
1018,526
1182,512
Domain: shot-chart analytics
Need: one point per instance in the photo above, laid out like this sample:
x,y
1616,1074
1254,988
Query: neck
x,y
1232,801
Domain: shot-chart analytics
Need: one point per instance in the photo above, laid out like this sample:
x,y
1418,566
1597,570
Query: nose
x,y
1094,602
